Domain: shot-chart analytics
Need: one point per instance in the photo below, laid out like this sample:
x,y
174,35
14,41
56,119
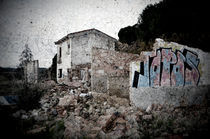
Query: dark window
x,y
60,52
60,73
68,52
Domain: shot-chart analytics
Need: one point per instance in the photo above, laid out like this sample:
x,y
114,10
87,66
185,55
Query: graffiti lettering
x,y
167,68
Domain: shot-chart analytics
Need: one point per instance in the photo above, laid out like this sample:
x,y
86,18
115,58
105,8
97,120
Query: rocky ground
x,y
74,112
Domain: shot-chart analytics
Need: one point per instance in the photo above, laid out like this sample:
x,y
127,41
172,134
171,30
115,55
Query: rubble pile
x,y
74,112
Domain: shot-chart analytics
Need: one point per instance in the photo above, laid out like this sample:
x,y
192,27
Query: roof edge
x,y
68,35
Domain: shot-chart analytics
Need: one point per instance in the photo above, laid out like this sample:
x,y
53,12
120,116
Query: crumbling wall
x,y
31,71
169,68
118,85
80,73
110,71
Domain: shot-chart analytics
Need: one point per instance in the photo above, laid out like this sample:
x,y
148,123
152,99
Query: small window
x,y
69,46
60,73
60,52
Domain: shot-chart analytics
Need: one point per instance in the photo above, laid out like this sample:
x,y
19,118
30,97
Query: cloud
x,y
42,22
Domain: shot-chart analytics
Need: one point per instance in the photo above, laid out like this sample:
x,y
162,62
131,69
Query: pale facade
x,y
76,49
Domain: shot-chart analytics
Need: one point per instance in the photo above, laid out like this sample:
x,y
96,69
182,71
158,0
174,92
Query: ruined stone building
x,y
171,74
74,53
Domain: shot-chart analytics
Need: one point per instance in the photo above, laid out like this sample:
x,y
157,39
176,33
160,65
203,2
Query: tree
x,y
26,56
127,35
182,21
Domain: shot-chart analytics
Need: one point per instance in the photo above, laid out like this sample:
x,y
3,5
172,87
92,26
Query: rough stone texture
x,y
68,113
76,49
118,86
31,71
80,73
67,100
171,74
175,96
110,71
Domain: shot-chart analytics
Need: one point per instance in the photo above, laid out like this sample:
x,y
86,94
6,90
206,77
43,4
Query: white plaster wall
x,y
101,41
174,96
65,61
81,46
80,49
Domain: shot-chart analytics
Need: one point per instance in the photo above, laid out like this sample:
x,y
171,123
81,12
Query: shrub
x,y
29,96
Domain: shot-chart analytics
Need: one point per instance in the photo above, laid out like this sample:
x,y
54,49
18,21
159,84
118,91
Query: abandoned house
x,y
74,53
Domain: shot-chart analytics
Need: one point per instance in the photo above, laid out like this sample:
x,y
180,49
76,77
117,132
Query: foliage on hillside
x,y
180,21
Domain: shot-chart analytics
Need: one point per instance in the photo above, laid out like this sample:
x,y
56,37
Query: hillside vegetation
x,y
185,22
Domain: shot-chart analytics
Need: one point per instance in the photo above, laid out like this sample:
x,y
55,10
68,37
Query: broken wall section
x,y
196,60
31,71
80,73
170,74
110,72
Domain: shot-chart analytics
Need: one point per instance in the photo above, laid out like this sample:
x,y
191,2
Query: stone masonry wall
x,y
118,86
31,71
110,71
80,73
170,71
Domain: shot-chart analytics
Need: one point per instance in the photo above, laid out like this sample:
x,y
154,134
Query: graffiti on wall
x,y
167,68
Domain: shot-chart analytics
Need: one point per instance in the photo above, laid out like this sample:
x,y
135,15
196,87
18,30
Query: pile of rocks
x,y
89,114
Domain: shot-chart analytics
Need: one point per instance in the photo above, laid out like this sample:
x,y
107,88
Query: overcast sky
x,y
39,23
